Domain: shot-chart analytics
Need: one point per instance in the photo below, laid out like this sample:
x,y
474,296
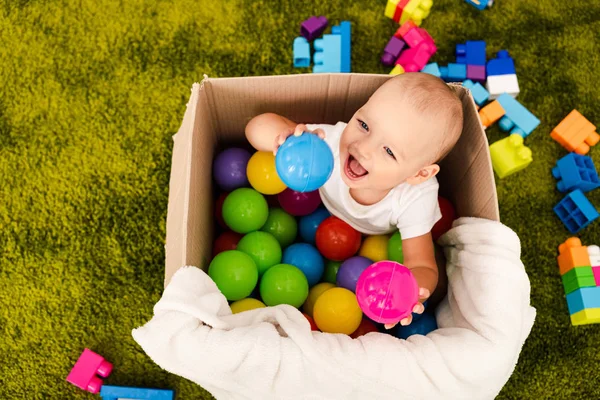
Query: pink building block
x,y
596,271
414,59
83,374
415,36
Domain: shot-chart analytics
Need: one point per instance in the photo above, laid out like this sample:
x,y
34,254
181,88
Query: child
x,y
385,164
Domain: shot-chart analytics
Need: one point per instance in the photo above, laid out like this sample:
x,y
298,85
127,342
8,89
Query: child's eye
x,y
389,151
363,125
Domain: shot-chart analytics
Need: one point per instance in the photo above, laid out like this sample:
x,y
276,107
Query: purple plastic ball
x,y
350,271
229,169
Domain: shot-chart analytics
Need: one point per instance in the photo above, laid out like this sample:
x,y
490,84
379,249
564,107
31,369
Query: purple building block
x,y
476,73
392,51
313,27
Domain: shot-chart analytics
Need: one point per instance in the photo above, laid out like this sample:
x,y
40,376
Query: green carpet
x,y
91,92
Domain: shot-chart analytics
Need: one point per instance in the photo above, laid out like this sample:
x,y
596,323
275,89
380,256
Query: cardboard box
x,y
216,116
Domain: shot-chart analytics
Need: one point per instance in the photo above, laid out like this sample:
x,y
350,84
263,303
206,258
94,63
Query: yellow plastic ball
x,y
375,248
262,173
314,294
337,311
246,304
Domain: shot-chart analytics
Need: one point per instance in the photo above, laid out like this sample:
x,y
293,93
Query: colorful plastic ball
x,y
262,174
307,258
229,168
309,223
448,217
395,248
337,240
422,326
299,204
219,210
235,274
314,294
331,270
350,271
304,162
366,326
246,304
387,292
375,248
284,284
245,210
226,241
281,225
313,326
337,311
264,249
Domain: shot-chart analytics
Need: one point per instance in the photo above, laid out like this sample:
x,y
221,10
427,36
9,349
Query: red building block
x,y
83,374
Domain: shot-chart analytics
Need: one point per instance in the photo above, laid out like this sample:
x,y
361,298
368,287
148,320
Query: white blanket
x,y
271,353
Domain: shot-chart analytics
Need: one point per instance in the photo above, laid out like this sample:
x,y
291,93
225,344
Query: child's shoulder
x,y
333,133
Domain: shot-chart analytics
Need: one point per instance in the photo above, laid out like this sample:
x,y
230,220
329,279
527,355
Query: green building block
x,y
510,155
578,277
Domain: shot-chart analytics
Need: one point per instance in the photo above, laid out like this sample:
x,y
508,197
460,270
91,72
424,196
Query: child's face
x,y
385,143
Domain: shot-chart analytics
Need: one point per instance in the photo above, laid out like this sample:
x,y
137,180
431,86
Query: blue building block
x,y
575,171
432,69
517,118
576,211
301,52
132,393
480,4
480,94
333,51
471,53
582,298
454,72
344,30
503,64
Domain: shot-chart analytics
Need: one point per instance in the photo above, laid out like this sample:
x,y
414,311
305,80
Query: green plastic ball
x,y
235,274
281,225
263,248
245,210
331,270
284,284
395,248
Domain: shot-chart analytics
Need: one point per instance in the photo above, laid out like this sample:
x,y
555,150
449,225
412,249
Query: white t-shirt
x,y
412,209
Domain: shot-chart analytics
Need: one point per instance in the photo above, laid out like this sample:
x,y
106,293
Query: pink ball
x,y
299,204
387,292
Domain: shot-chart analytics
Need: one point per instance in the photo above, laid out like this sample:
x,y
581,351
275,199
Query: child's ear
x,y
424,173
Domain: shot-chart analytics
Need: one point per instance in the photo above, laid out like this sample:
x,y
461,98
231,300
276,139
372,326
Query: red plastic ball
x,y
445,223
299,204
226,241
219,210
313,326
336,240
365,327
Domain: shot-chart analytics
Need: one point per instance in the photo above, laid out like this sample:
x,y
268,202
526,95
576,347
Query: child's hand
x,y
300,128
417,309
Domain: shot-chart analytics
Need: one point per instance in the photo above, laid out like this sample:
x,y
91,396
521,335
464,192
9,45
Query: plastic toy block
x,y
491,113
392,51
480,95
404,29
397,70
575,171
416,10
472,53
480,4
571,254
313,27
578,278
394,9
414,59
586,316
132,393
499,84
416,36
580,299
476,73
83,374
596,271
503,64
517,118
454,72
594,253
576,211
301,53
510,155
344,29
432,69
328,54
575,133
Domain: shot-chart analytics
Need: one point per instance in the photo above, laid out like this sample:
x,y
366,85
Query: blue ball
x,y
309,224
304,163
422,326
307,258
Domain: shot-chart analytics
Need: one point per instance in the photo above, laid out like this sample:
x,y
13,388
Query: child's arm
x,y
266,132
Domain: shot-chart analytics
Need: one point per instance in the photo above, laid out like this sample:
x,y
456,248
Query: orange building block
x,y
575,133
571,255
491,113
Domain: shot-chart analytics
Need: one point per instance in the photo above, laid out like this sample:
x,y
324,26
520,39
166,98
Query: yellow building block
x,y
390,8
416,11
398,69
586,316
510,155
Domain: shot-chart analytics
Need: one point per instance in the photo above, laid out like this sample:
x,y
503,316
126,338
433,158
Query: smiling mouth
x,y
353,169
